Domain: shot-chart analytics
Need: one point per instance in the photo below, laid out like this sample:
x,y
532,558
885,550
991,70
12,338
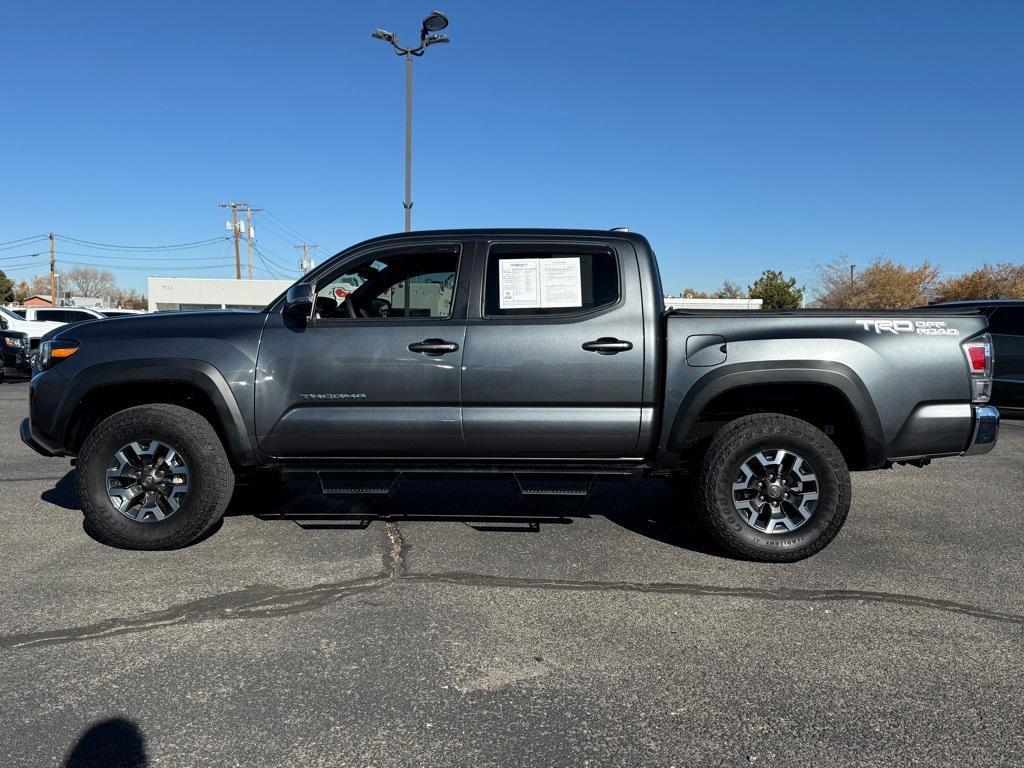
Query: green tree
x,y
775,291
6,288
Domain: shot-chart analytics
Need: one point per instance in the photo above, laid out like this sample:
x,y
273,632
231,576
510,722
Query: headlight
x,y
52,352
16,342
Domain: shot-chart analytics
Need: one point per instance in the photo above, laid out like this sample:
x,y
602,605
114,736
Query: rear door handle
x,y
607,346
434,347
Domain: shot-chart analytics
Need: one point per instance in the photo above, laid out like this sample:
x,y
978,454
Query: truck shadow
x,y
648,508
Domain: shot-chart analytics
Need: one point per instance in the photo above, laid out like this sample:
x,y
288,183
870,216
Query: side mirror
x,y
3,323
298,302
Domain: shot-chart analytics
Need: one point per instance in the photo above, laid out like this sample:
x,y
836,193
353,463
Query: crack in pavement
x,y
264,601
394,559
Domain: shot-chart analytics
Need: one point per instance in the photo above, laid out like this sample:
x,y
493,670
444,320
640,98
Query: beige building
x,y
170,294
679,302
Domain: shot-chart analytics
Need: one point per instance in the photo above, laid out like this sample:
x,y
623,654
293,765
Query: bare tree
x,y
129,298
883,284
38,285
729,290
1002,281
693,293
91,281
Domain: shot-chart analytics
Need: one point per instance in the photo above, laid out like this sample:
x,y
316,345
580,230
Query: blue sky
x,y
737,136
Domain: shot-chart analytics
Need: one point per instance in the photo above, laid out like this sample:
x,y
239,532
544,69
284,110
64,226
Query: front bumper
x,y
986,430
36,442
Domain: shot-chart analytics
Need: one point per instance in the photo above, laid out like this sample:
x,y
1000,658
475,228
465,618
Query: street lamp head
x,y
436,39
383,34
435,22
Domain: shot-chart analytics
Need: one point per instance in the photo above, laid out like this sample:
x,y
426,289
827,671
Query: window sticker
x,y
520,283
560,282
540,283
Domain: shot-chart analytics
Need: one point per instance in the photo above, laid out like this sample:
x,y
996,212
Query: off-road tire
x,y
211,479
730,446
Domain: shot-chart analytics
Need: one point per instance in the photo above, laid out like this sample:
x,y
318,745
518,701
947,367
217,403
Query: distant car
x,y
1006,324
60,314
14,354
120,312
35,329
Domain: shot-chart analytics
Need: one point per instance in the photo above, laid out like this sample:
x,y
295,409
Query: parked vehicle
x,y
544,355
32,328
60,314
121,312
14,353
1006,325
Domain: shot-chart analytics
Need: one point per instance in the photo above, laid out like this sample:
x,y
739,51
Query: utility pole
x,y
233,226
237,228
250,234
53,276
851,274
306,263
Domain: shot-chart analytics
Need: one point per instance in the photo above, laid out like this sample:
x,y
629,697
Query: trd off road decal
x,y
917,327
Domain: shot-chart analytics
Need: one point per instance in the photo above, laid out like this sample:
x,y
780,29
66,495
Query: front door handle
x,y
607,346
434,347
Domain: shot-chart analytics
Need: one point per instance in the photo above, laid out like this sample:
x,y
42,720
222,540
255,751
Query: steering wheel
x,y
350,308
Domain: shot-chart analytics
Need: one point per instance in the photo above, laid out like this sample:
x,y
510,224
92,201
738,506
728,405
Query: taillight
x,y
979,361
978,356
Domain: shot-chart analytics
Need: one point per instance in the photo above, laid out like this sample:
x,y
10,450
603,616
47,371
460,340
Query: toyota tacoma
x,y
546,356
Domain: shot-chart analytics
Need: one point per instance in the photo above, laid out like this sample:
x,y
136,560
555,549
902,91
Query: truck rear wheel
x,y
772,488
153,477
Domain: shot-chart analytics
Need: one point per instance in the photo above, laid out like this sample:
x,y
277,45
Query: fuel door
x,y
705,350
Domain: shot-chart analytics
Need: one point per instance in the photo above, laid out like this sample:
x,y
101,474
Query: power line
x,y
22,244
5,259
131,258
148,267
23,239
287,226
278,260
169,247
266,266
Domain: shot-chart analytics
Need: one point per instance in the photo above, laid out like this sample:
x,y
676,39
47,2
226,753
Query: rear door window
x,y
52,315
549,282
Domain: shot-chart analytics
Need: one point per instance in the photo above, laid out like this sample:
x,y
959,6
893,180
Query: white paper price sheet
x,y
540,283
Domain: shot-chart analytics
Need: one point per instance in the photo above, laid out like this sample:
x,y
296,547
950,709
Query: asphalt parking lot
x,y
462,625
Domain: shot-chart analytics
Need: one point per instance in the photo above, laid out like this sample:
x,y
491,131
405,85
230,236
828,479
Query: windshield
x,y
6,311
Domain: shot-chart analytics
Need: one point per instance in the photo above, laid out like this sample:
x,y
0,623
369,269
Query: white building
x,y
679,302
169,294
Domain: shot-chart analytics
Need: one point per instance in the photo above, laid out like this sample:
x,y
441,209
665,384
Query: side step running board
x,y
387,482
359,483
553,485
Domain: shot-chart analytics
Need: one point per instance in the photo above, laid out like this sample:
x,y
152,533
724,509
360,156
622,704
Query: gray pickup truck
x,y
546,356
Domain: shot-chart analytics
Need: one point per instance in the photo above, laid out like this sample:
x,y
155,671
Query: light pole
x,y
435,22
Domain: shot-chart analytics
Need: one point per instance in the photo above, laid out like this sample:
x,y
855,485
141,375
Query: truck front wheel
x,y
772,488
153,477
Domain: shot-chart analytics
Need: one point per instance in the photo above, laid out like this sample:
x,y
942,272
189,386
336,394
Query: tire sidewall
x,y
829,494
187,522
